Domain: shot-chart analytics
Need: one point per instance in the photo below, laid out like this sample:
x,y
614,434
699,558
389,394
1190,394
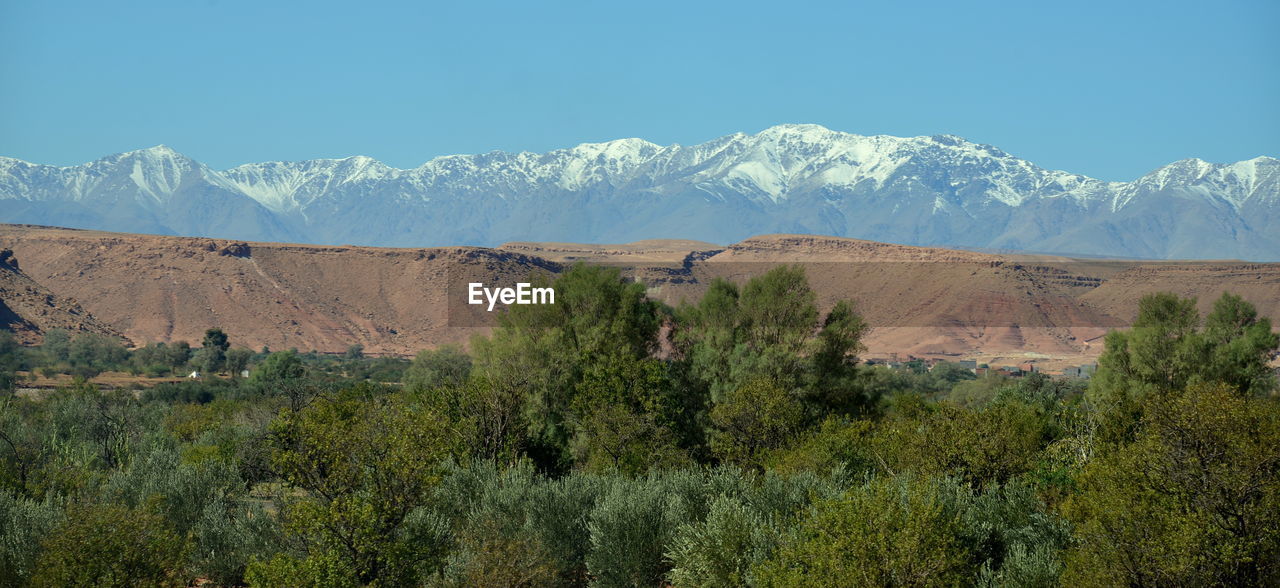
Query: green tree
x,y
769,329
834,387
986,447
200,498
778,308
237,360
365,461
835,444
1165,351
489,415
448,365
709,334
279,367
57,345
177,354
1194,500
1239,344
627,415
1015,537
111,545
216,338
952,372
978,392
10,361
97,352
151,359
752,419
546,349
888,533
732,337
630,526
721,550
24,524
213,351
517,528
613,437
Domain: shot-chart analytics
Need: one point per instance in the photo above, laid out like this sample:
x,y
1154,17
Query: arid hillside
x,y
28,309
154,288
919,300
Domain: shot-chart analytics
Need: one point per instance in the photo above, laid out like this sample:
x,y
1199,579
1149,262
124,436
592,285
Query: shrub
x,y
629,530
1193,500
24,523
446,366
721,550
891,532
111,545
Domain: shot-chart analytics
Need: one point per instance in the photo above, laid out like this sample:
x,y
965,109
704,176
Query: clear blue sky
x,y
1108,89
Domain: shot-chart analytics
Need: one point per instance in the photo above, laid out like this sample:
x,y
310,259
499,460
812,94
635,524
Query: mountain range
x,y
931,191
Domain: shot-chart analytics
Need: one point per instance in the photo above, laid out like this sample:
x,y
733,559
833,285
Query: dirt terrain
x,y
922,301
29,309
154,288
650,251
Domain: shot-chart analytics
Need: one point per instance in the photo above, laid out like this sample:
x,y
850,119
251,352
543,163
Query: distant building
x,y
1082,371
194,375
968,364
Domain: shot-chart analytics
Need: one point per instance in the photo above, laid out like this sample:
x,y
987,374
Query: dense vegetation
x,y
608,440
88,355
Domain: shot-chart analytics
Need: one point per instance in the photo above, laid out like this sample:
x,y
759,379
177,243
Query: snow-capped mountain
x,y
940,190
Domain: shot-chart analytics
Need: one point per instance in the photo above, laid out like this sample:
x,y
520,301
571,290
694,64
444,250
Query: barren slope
x,y
648,251
919,300
1258,283
311,297
925,301
30,310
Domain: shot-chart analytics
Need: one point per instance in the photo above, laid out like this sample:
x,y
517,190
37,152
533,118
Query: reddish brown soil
x,y
922,301
28,309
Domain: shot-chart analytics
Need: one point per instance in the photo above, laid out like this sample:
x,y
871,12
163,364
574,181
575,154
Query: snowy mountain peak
x,y
948,140
290,186
158,153
362,167
1241,180
803,132
929,190
160,150
617,148
797,128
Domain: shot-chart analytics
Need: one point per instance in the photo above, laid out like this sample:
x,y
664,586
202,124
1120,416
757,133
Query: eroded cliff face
x,y
397,301
30,310
278,295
